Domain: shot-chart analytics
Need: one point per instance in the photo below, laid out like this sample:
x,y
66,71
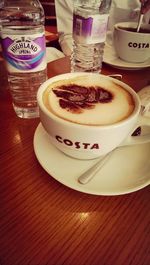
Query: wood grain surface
x,y
42,222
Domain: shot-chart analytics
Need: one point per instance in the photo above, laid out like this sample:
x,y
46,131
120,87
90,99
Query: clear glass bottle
x,y
90,19
23,45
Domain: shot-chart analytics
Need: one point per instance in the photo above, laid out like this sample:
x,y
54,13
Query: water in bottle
x,y
90,19
23,44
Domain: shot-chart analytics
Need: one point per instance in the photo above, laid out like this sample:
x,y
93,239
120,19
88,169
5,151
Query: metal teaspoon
x,y
90,173
140,19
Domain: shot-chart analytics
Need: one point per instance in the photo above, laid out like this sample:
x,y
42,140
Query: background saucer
x,y
110,57
127,170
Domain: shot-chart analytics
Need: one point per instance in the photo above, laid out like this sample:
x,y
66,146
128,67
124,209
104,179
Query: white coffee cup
x,y
132,46
85,141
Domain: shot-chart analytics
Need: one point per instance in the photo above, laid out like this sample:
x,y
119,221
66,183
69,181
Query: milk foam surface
x,y
118,105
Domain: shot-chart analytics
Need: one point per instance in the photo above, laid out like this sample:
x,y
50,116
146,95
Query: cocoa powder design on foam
x,y
75,98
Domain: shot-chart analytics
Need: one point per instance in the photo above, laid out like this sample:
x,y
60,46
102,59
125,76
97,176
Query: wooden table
x,y
43,222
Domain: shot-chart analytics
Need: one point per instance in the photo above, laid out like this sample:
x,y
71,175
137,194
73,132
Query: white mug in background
x,y
85,141
132,46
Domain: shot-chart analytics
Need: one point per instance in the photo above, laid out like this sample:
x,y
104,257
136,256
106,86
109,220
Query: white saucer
x,y
110,57
126,171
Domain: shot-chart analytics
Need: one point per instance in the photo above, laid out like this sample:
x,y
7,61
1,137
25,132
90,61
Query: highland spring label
x,y
22,46
90,30
24,53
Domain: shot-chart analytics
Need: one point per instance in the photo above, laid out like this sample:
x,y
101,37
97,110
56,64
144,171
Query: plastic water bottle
x,y
23,44
90,19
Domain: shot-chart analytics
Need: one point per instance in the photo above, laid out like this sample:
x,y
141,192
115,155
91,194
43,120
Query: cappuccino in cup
x,y
87,115
87,101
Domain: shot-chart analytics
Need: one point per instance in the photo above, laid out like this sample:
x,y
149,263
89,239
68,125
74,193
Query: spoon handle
x,y
139,22
90,173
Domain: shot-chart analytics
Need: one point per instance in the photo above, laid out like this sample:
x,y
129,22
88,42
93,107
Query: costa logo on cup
x,y
138,45
77,145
